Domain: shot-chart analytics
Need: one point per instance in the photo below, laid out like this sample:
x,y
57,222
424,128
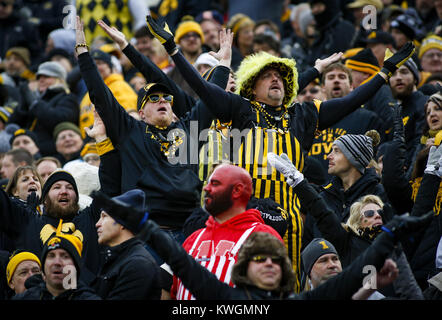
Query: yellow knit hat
x,y
186,27
18,258
430,42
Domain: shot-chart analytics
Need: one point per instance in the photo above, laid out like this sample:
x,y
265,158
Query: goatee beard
x,y
55,211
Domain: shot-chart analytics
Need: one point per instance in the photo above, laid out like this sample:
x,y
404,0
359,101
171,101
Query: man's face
x,y
14,65
402,83
269,88
190,43
265,275
431,61
399,37
144,45
26,143
378,50
336,84
8,167
326,267
338,164
24,270
45,168
27,182
312,91
157,113
61,200
103,68
54,268
358,77
231,84
6,8
108,230
211,31
68,142
218,193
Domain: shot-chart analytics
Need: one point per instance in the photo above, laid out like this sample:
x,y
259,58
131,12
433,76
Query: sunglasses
x,y
263,258
370,213
190,35
156,97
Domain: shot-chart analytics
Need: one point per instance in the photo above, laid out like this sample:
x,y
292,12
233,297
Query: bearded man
x,y
60,203
215,247
403,84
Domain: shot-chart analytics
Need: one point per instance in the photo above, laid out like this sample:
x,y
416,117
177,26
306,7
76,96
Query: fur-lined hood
x,y
254,64
263,243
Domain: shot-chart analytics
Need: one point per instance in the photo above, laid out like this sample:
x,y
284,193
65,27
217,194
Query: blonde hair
x,y
355,219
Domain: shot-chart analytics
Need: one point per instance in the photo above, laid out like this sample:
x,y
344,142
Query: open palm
x,y
116,35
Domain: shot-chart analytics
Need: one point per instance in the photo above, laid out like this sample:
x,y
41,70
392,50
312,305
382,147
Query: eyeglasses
x,y
156,97
263,258
370,213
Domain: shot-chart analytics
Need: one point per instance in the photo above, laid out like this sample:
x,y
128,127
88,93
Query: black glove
x,y
398,59
401,227
398,124
162,33
127,216
32,200
149,228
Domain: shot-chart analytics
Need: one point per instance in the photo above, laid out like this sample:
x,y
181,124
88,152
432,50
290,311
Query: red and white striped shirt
x,y
216,246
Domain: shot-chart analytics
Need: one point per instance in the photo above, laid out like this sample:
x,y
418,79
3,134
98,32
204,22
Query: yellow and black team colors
x,y
258,128
115,13
295,124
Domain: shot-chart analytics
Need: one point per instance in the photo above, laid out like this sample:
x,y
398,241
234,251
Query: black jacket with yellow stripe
x,y
258,129
170,182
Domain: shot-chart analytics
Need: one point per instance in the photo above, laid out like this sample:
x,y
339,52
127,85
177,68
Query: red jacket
x,y
216,246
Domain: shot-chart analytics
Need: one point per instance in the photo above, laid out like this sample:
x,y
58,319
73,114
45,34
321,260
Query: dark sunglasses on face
x,y
311,90
370,213
190,35
263,258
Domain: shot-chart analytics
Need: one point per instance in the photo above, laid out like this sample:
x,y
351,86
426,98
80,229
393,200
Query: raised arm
x,y
150,71
335,109
311,202
116,119
217,99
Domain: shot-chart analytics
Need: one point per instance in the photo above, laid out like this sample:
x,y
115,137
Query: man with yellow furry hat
x,y
264,119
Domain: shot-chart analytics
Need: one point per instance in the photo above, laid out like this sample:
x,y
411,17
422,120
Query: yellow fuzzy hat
x,y
253,65
186,27
430,42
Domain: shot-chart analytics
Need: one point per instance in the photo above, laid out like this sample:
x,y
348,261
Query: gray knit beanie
x,y
357,148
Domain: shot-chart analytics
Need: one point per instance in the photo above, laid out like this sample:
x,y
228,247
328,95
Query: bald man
x,y
216,246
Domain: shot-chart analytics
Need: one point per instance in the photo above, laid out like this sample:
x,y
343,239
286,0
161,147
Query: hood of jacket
x,y
241,221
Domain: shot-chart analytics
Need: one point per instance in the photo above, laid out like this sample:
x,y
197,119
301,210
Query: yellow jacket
x,y
122,91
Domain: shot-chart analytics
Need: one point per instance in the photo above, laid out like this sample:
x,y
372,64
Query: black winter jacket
x,y
36,290
339,201
28,231
54,106
129,272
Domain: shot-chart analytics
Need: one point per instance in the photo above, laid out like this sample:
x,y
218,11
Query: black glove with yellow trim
x,y
398,59
162,33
